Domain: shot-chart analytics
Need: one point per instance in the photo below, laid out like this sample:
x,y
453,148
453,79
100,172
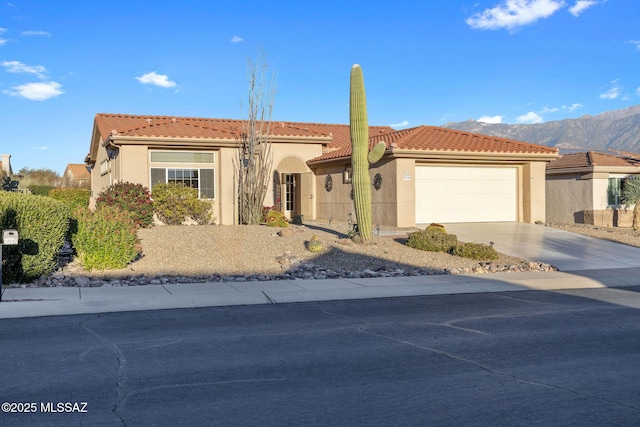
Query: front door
x,y
290,195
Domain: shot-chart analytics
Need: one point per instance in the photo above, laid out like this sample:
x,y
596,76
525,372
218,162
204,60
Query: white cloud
x,y
638,91
549,110
529,118
572,107
613,92
581,6
514,13
40,91
43,148
490,119
155,79
400,125
3,30
36,33
636,43
236,39
19,67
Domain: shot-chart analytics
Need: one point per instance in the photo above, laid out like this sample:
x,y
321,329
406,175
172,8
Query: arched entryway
x,y
293,187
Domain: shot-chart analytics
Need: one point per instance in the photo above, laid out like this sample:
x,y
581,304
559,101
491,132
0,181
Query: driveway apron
x,y
565,250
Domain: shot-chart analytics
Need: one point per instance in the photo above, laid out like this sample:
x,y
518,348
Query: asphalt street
x,y
559,358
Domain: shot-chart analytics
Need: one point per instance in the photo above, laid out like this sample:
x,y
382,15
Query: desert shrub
x,y
434,241
40,190
42,224
439,228
105,238
265,212
475,251
74,198
276,219
173,203
132,198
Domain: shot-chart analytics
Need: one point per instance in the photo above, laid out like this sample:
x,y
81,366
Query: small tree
x,y
254,159
631,196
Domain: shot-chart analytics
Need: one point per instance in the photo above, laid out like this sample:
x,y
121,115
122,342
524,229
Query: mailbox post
x,y
9,237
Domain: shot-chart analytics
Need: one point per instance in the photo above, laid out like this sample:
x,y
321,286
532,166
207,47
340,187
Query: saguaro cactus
x,y
361,157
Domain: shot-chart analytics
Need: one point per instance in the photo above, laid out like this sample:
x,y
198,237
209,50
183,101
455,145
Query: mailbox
x,y
10,237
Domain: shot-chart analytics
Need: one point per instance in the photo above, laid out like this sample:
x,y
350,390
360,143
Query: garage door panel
x,y
465,194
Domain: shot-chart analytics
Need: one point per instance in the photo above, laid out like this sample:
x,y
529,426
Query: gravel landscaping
x,y
192,254
187,254
615,234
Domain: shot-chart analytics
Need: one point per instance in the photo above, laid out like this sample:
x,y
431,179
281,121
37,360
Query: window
x,y
181,157
200,179
105,166
614,191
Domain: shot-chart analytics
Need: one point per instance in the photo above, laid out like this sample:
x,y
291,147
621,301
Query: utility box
x,y
9,237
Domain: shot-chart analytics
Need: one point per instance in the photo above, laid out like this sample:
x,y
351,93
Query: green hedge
x,y
432,240
105,238
42,224
132,198
74,198
174,203
40,190
473,250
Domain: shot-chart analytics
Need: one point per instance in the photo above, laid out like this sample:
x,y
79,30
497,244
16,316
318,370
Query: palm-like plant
x,y
631,196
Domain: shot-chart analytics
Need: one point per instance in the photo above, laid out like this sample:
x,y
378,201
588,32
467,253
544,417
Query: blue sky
x,y
425,62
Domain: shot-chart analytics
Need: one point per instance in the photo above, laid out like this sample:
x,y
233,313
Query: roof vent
x,y
148,120
174,120
114,132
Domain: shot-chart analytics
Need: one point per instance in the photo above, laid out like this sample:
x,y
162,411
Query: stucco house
x,y
77,175
428,174
586,188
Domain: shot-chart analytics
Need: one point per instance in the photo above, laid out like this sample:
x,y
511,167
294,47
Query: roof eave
x,y
221,142
474,155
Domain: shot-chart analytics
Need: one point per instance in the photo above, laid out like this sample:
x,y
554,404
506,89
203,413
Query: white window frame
x,y
199,170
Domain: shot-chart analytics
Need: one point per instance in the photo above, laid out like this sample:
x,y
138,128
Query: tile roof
x,y
420,139
78,171
432,138
593,158
202,128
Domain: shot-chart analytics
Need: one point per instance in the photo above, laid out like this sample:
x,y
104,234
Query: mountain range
x,y
612,130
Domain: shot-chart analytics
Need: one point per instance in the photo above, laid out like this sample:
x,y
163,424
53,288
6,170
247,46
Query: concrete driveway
x,y
567,251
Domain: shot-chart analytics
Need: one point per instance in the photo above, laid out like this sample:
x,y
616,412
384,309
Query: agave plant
x,y
631,196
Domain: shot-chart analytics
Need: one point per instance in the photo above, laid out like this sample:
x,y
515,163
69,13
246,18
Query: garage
x,y
465,194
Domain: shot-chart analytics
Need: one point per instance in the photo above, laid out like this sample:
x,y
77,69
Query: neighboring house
x,y
77,175
5,165
586,188
428,174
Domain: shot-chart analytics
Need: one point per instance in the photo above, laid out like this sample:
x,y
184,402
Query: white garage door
x,y
465,194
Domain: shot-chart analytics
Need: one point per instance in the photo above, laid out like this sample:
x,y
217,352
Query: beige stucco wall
x,y
335,204
99,180
393,204
405,187
533,192
568,196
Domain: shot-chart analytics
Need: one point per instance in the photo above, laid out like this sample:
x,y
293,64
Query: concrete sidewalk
x,y
35,302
